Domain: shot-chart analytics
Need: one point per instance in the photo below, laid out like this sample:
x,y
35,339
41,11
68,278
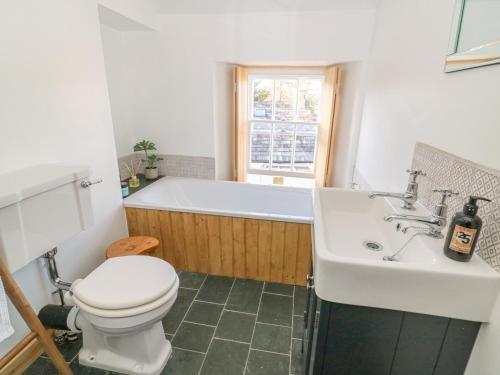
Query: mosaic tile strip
x,y
175,165
445,170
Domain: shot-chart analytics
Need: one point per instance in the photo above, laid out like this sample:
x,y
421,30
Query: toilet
x,y
120,306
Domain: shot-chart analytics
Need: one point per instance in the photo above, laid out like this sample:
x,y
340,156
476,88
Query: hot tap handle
x,y
417,172
414,173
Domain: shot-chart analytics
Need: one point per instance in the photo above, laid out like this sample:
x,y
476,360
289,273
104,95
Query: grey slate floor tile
x,y
245,296
297,358
183,362
298,327
225,358
263,363
69,349
174,317
215,289
193,337
84,370
272,338
223,332
275,309
300,298
204,313
276,288
42,366
192,280
236,326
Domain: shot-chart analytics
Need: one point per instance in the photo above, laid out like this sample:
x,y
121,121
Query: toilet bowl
x,y
120,308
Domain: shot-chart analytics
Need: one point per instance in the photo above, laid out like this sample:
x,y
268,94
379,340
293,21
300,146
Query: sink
x,y
350,241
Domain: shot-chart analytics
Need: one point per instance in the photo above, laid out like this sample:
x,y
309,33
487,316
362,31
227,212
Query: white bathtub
x,y
226,198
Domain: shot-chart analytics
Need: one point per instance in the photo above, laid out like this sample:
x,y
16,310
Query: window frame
x,y
295,122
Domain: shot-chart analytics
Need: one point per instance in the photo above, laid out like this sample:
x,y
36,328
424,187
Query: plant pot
x,y
151,173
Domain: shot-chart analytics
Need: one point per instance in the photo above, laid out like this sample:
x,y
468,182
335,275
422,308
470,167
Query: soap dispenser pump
x,y
464,231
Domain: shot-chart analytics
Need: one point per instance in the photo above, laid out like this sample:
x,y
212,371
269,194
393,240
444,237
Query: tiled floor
x,y
224,326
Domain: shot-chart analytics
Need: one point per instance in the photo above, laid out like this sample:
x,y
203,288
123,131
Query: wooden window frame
x,y
326,131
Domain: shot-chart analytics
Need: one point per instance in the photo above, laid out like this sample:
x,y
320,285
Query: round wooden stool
x,y
137,245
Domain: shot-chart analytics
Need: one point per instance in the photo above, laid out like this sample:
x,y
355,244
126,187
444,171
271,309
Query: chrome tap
x,y
409,197
435,222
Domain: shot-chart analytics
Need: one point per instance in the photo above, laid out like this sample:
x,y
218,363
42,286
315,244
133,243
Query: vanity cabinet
x,y
344,339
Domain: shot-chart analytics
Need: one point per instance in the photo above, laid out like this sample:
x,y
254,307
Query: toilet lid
x,y
126,282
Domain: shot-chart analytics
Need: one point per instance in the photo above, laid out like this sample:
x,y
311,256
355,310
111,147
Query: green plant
x,y
151,159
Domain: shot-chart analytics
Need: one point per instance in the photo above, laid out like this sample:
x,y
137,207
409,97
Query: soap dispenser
x,y
464,231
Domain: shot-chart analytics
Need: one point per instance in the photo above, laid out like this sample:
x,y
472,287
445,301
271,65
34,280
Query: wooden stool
x,y
137,245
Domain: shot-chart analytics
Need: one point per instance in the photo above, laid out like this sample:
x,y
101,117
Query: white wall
x,y
55,108
120,93
409,99
223,119
172,73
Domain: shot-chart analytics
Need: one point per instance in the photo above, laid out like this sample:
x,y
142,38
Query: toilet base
x,y
145,352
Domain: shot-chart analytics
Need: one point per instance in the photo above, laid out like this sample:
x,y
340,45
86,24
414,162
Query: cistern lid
x,y
126,282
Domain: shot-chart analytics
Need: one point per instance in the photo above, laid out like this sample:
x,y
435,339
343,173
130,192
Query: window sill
x,y
265,179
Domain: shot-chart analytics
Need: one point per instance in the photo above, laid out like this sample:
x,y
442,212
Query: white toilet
x,y
121,305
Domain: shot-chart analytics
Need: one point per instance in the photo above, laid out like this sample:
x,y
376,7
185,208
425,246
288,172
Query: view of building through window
x,y
284,121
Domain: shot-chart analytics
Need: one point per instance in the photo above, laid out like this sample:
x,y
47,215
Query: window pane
x,y
284,128
263,99
304,153
260,127
309,129
309,99
285,99
260,151
283,146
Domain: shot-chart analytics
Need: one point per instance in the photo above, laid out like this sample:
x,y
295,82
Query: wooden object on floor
x,y
265,250
136,245
21,356
22,305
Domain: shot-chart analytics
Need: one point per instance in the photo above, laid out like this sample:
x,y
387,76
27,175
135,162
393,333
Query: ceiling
x,y
248,6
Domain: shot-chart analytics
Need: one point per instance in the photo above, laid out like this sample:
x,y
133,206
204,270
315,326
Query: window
x,y
284,119
284,124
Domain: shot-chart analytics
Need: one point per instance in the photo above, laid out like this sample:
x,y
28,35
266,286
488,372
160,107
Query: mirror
x,y
475,35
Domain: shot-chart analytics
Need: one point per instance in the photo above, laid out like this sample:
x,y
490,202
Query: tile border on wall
x,y
445,170
175,165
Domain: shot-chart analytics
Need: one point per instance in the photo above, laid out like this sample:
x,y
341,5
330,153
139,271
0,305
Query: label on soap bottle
x,y
462,239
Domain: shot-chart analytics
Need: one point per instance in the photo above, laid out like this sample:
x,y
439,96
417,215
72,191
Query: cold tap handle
x,y
445,193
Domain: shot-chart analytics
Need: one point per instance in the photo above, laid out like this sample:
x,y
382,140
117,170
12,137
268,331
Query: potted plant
x,y
151,160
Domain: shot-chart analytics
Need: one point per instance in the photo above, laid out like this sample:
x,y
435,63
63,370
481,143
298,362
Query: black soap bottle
x,y
464,231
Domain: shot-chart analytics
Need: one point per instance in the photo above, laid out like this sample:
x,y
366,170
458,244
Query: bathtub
x,y
227,228
226,198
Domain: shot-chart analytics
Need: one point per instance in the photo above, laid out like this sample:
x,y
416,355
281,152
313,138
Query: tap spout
x,y
435,223
375,194
407,198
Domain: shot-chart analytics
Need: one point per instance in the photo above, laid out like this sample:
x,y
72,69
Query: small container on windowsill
x,y
134,182
125,190
278,180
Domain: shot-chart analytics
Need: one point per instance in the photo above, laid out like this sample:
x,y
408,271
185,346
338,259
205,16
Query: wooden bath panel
x,y
228,246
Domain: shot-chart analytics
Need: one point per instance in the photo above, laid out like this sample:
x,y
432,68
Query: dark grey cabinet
x,y
344,339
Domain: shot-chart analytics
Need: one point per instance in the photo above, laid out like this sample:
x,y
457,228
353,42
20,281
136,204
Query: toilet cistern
x,y
410,196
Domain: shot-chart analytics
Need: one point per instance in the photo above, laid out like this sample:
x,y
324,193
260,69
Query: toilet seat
x,y
126,286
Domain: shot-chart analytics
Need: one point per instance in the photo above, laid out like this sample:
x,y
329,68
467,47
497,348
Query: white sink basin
x,y
422,280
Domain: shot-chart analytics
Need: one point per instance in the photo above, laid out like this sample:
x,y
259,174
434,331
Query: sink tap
x,y
434,222
409,197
